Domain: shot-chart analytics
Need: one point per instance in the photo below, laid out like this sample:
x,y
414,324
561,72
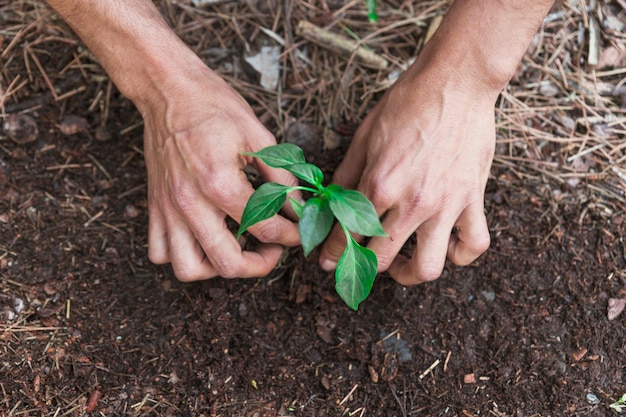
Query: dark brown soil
x,y
89,327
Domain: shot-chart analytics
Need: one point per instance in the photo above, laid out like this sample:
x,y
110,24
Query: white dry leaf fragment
x,y
594,42
173,378
281,41
547,89
18,305
614,23
394,74
199,3
615,308
267,63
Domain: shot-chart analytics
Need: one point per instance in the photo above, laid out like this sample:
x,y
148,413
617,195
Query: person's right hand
x,y
196,129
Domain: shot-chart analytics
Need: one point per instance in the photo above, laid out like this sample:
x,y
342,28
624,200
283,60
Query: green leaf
x,y
355,273
315,223
371,11
264,203
296,206
279,156
306,172
354,211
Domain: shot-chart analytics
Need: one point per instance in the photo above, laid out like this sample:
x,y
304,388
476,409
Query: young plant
x,y
620,404
357,267
372,15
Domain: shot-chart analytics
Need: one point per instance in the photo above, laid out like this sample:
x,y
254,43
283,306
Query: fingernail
x,y
328,265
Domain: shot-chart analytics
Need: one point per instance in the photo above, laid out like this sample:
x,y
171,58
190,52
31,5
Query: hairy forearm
x,y
132,42
486,39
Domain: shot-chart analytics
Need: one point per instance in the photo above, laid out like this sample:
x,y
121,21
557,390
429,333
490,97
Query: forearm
x,y
485,40
132,42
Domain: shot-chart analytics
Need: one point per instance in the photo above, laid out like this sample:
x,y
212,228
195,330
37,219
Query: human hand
x,y
195,134
422,156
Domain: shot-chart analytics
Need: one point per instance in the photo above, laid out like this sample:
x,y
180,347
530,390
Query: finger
x,y
254,264
332,249
471,238
158,251
428,257
277,229
224,253
399,227
187,256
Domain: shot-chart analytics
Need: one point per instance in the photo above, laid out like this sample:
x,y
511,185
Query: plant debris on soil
x,y
88,326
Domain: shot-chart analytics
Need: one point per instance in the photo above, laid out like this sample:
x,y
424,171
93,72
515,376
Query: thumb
x,y
332,249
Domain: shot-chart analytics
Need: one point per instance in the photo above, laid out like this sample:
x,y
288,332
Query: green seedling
x,y
357,267
620,404
372,15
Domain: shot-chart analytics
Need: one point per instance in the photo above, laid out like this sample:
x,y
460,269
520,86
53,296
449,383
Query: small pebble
x,y
489,295
21,128
592,399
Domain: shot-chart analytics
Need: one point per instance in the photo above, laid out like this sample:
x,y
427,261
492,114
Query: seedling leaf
x,y
620,404
355,273
306,172
279,156
372,15
315,223
354,211
358,266
296,206
264,203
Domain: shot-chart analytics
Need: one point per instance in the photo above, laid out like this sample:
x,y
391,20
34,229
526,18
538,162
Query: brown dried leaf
x,y
73,124
469,378
579,354
302,292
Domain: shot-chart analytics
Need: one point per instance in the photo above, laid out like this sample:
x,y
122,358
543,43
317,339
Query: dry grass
x,y
560,120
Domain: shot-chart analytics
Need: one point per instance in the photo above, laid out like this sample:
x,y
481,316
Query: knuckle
x,y
227,267
182,197
429,200
218,188
428,272
384,261
267,232
481,243
157,257
188,274
380,194
472,250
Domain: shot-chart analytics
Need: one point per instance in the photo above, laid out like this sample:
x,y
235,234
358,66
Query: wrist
x,y
483,42
135,46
